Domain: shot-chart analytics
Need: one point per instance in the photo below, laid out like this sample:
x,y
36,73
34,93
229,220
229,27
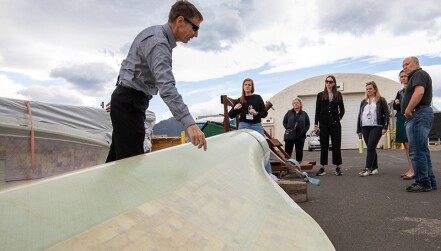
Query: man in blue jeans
x,y
419,119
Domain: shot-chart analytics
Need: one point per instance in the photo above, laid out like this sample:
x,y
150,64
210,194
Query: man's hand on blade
x,y
197,137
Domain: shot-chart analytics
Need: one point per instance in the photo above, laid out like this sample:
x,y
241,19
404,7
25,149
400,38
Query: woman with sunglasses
x,y
251,109
329,110
400,134
373,120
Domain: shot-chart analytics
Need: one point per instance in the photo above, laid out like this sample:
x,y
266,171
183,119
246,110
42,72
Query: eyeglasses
x,y
193,26
329,81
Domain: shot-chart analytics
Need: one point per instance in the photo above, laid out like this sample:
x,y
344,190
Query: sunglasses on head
x,y
193,26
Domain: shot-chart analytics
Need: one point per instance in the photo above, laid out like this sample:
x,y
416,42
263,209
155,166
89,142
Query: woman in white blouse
x,y
373,120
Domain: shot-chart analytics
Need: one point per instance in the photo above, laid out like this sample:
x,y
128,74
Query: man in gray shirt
x,y
416,107
146,71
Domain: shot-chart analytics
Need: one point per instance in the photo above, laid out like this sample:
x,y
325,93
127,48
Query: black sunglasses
x,y
329,82
193,26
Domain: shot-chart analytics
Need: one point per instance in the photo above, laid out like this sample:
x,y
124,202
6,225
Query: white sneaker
x,y
274,177
374,172
365,173
362,171
321,172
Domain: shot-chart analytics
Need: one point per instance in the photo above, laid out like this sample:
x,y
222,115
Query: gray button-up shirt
x,y
148,68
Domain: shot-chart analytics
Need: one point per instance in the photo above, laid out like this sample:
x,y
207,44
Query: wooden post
x,y
226,101
226,122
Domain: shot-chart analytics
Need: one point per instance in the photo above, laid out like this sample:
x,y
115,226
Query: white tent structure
x,y
40,139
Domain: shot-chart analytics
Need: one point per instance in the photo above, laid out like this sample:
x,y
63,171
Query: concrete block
x,y
296,189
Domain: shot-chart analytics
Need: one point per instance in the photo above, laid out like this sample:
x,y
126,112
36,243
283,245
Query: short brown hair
x,y
185,9
300,101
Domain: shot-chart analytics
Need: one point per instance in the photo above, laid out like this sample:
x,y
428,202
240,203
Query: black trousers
x,y
299,144
371,136
127,112
334,132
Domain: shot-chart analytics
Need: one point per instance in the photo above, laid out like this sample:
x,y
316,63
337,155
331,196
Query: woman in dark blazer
x,y
329,110
373,120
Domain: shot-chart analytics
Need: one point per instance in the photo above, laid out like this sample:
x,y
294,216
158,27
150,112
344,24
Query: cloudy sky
x,y
69,52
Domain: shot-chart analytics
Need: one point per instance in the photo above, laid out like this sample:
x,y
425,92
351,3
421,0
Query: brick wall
x,y
52,157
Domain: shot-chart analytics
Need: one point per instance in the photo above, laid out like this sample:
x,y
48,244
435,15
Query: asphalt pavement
x,y
375,212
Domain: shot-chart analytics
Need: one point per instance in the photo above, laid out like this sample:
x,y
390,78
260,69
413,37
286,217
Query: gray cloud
x,y
223,25
89,78
91,13
280,47
307,42
350,16
228,22
51,94
359,17
111,22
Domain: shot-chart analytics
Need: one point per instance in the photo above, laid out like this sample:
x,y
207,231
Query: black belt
x,y
136,92
420,107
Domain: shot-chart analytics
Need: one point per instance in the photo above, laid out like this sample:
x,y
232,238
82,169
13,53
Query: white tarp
x,y
89,119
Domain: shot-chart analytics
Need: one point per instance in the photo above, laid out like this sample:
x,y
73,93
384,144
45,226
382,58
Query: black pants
x,y
127,112
299,144
334,132
371,136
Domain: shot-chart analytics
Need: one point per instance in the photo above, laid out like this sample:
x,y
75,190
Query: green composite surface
x,y
180,198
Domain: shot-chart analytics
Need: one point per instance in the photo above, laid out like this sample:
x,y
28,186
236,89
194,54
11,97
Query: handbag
x,y
290,135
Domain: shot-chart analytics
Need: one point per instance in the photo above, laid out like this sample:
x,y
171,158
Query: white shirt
x,y
369,116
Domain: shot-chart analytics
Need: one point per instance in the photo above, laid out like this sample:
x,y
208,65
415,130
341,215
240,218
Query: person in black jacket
x,y
329,110
298,120
252,110
373,120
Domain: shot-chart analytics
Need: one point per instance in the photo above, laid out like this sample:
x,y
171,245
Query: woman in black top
x,y
298,120
329,110
250,106
252,110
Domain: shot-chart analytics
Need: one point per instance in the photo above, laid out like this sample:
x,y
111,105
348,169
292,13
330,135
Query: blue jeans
x,y
259,128
417,129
